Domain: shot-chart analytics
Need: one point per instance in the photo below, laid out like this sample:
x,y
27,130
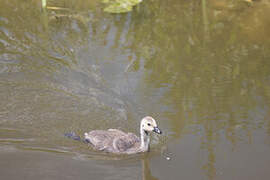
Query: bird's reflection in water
x,y
146,172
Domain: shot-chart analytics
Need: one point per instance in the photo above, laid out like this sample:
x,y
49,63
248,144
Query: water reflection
x,y
146,171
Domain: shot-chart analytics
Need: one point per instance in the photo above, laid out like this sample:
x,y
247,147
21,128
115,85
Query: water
x,y
201,69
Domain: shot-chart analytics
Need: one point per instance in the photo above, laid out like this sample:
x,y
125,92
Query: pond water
x,y
200,68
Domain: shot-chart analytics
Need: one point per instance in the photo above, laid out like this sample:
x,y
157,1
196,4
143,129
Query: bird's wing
x,y
99,139
125,142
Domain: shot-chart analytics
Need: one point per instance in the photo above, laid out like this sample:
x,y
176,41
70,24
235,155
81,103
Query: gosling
x,y
119,142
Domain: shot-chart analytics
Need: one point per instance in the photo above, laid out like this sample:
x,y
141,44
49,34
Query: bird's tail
x,y
73,136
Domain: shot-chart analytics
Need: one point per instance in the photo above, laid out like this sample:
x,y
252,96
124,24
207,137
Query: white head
x,y
148,124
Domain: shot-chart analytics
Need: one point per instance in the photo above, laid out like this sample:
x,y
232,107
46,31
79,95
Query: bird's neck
x,y
145,140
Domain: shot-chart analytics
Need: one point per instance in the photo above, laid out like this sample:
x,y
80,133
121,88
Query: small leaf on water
x,y
120,6
117,9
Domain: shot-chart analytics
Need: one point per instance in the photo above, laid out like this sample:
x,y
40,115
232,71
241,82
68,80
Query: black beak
x,y
157,130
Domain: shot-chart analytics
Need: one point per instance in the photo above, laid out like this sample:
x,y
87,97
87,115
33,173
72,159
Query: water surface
x,y
200,68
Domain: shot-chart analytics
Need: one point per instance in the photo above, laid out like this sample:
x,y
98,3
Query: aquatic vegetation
x,y
111,6
44,3
120,6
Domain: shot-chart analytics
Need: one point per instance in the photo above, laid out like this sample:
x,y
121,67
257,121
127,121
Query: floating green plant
x,y
120,6
44,3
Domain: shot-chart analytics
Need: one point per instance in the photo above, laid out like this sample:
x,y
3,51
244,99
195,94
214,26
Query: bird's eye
x,y
148,124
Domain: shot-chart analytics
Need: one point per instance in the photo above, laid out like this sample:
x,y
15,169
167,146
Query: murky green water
x,y
200,68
